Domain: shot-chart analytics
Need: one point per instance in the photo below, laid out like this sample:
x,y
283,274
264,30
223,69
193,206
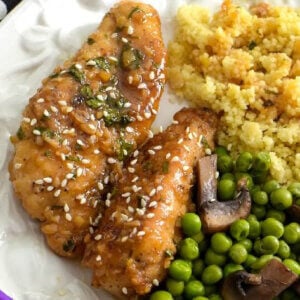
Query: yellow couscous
x,y
245,65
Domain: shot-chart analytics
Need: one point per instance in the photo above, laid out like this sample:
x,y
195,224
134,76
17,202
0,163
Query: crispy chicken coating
x,y
90,114
130,251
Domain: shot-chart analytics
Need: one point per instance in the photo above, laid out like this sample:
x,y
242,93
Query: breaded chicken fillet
x,y
90,114
132,247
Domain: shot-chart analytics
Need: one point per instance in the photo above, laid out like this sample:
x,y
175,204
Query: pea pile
x,y
203,261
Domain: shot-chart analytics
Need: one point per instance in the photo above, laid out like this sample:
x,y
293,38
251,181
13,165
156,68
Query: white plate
x,y
34,38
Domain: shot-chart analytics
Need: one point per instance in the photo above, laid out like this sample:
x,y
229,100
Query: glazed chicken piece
x,y
132,247
88,116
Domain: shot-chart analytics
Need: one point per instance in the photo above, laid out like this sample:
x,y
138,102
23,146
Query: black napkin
x,y
6,6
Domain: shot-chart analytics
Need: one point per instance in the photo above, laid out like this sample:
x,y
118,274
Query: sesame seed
x,y
135,153
140,211
68,217
129,129
185,168
217,175
187,130
40,100
175,158
180,141
150,134
186,148
147,114
62,102
63,156
133,162
130,79
78,66
153,204
141,233
152,75
18,166
130,209
91,63
155,282
142,85
106,180
190,136
124,40
66,208
47,179
130,30
124,290
50,188
98,258
161,129
112,58
158,147
143,202
80,142
175,122
91,126
124,217
107,202
64,183
124,239
159,188
127,104
154,111
70,165
36,132
135,179
134,231
92,116
131,170
57,193
65,142
168,155
125,195
128,199
139,118
96,151
79,172
139,107
152,193
85,161
98,237
54,109
136,188
100,185
26,120
39,181
69,175
208,151
33,122
83,201
114,35
151,152
91,230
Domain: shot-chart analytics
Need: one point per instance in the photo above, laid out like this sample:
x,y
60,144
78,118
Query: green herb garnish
x,y
86,91
134,10
20,133
48,153
124,149
165,167
102,63
69,245
131,58
54,75
90,41
73,158
77,74
94,103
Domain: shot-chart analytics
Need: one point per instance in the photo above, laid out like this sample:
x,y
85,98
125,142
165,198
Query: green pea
x,y
226,189
199,237
268,245
224,164
180,270
244,162
251,217
200,298
292,233
229,176
198,267
191,224
271,226
276,214
220,150
260,197
212,258
238,253
292,265
247,243
211,289
212,274
231,268
175,287
193,289
284,250
270,186
254,189
261,162
189,249
239,229
215,297
262,261
250,260
220,242
161,295
258,210
255,229
294,188
247,177
281,199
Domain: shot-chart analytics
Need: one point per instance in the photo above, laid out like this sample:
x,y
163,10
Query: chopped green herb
x,y
124,149
20,133
72,158
252,45
77,74
94,103
115,116
47,133
78,147
204,142
147,166
69,245
56,207
86,91
169,253
48,153
131,58
165,167
90,41
134,10
102,63
54,75
114,191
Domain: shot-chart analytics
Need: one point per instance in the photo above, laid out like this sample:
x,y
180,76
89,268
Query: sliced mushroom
x,y
273,278
216,215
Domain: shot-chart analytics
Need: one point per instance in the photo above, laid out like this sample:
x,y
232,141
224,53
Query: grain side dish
x,y
245,65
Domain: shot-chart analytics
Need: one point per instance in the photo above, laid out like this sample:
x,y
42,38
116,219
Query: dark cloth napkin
x,y
6,6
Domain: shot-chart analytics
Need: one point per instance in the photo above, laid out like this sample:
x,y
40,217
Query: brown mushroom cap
x,y
273,278
215,215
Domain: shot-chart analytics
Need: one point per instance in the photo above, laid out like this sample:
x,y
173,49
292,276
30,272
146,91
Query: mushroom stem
x,y
273,278
218,216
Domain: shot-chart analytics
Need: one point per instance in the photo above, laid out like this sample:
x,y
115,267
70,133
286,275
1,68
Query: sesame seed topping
x,y
187,130
150,134
128,199
85,161
147,114
140,211
152,75
96,151
175,158
161,129
107,202
26,120
168,155
69,175
152,193
135,153
98,237
54,109
124,239
100,185
208,151
130,79
57,193
40,100
98,258
185,168
133,162
129,129
47,179
83,201
141,233
159,188
106,180
63,156
33,122
142,85
153,204
68,217
139,118
112,58
125,195
114,35
143,202
180,141
130,209
186,148
91,126
124,290
135,179
131,170
65,142
50,188
91,63
154,111
124,40
62,102
79,172
64,183
136,188
18,166
175,122
130,30
70,166
151,152
91,230
66,208
39,181
36,132
190,136
155,282
78,66
217,175
80,142
158,147
127,104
